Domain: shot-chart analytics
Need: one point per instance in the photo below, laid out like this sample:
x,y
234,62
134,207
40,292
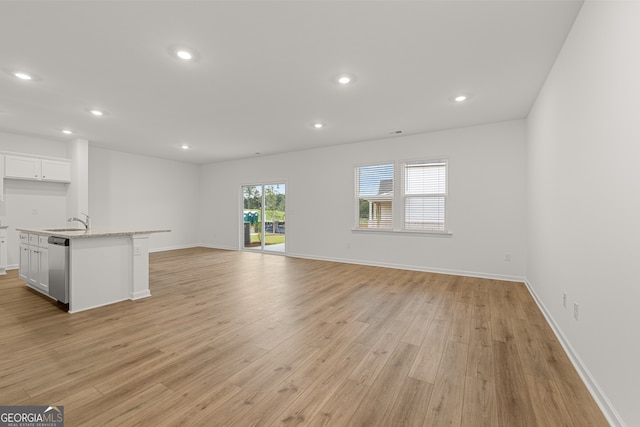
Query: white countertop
x,y
77,233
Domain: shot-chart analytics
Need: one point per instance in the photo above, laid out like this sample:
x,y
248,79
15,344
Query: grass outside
x,y
270,239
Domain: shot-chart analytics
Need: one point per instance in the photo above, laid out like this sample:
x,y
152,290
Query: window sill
x,y
445,233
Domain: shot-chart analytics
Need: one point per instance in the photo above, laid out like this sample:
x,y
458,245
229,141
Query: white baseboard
x,y
482,275
415,268
609,411
225,248
172,248
140,294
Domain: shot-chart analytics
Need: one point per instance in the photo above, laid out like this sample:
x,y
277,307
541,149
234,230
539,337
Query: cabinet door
x,y
43,270
34,266
1,177
3,252
25,255
54,170
22,167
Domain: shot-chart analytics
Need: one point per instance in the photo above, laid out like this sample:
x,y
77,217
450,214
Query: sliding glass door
x,y
264,217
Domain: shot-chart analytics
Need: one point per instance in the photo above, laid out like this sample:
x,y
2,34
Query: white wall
x,y
31,203
486,205
584,204
32,145
129,190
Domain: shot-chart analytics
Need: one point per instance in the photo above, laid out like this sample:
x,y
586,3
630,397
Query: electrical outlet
x,y
576,310
507,257
564,300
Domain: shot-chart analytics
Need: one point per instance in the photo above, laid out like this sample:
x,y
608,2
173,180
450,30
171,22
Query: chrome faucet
x,y
86,222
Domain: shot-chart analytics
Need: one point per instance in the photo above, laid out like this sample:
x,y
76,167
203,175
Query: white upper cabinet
x,y
22,167
56,170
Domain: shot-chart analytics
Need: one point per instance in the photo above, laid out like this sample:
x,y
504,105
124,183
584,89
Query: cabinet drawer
x,y
33,239
43,241
24,238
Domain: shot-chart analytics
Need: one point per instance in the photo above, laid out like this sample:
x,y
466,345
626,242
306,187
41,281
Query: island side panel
x,y
101,271
140,266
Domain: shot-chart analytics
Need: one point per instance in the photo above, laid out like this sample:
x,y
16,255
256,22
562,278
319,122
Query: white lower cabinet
x,y
3,250
43,270
34,262
24,262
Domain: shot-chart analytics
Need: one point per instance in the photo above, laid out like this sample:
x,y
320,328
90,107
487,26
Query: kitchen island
x,y
104,265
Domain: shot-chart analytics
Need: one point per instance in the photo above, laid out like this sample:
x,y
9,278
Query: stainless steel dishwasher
x,y
59,268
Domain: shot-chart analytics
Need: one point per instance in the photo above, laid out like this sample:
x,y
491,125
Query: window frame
x,y
398,199
402,165
392,198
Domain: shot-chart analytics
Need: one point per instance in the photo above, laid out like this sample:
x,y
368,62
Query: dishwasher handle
x,y
60,241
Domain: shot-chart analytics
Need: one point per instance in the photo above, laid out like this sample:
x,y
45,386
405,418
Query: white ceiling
x,y
266,70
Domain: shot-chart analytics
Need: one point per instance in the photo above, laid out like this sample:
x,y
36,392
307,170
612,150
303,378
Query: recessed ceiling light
x,y
66,131
22,75
184,54
185,146
318,125
343,80
97,112
460,98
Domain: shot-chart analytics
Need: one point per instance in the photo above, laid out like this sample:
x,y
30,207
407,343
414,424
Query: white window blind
x,y
424,194
374,196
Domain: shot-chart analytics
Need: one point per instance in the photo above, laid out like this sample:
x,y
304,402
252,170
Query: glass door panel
x,y
252,216
274,217
263,212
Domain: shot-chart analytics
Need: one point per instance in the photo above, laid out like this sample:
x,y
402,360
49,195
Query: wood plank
x,y
381,396
411,404
447,397
480,360
308,404
512,392
479,408
547,402
369,369
341,405
427,362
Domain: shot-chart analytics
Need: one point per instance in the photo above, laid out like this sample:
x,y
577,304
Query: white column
x,y
78,192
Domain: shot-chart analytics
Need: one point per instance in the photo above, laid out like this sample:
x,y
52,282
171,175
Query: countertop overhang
x,y
93,232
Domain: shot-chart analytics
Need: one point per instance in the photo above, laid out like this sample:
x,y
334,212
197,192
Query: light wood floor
x,y
235,338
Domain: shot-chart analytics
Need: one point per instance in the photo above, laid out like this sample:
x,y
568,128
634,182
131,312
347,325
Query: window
x,y
424,194
374,196
418,203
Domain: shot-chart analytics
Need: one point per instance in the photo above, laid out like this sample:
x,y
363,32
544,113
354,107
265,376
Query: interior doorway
x,y
264,217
